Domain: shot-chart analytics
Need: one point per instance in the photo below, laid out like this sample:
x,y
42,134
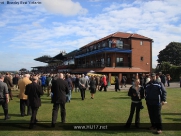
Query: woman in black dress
x,y
92,85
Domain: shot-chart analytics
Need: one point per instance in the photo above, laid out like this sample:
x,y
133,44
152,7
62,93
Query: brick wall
x,y
139,51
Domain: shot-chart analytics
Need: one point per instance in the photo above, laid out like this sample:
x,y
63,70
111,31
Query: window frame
x,y
110,43
118,62
141,42
95,47
99,46
118,43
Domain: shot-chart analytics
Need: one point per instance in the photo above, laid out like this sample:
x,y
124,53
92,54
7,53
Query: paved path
x,y
172,85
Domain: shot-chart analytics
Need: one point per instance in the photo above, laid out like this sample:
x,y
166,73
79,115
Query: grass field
x,y
106,107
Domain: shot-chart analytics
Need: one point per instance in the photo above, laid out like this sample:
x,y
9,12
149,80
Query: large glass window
x,y
66,62
119,62
95,47
92,62
108,62
79,62
87,63
71,61
99,46
96,62
91,48
83,51
119,44
110,43
102,61
103,44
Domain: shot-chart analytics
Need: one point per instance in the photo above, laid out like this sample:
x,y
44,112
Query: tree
x,y
171,54
165,66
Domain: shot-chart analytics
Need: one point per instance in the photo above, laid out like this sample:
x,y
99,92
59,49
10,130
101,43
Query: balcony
x,y
126,49
123,64
126,46
102,65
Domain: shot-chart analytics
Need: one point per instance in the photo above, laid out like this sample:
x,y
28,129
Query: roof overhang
x,y
104,50
111,70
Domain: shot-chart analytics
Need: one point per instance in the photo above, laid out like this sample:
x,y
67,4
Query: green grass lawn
x,y
106,107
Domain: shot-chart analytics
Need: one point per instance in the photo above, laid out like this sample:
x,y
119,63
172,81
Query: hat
x,y
153,74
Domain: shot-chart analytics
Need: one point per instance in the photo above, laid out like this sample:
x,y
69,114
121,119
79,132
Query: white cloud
x,y
113,6
19,14
169,28
64,7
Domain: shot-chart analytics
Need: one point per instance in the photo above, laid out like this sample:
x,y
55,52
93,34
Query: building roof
x,y
44,58
48,59
119,35
72,53
138,36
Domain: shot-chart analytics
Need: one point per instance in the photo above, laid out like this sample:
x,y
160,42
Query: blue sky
x,y
28,31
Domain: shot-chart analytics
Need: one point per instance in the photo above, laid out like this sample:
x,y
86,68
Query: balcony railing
x,y
125,47
123,64
102,65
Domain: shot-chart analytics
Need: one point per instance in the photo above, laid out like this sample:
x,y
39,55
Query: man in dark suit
x,y
59,90
34,91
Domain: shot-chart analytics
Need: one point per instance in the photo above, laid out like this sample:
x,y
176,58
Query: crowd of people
x,y
60,86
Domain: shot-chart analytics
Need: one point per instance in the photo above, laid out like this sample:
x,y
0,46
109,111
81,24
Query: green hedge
x,y
175,73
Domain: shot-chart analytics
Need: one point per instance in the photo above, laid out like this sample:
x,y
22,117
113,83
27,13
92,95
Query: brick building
x,y
119,54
